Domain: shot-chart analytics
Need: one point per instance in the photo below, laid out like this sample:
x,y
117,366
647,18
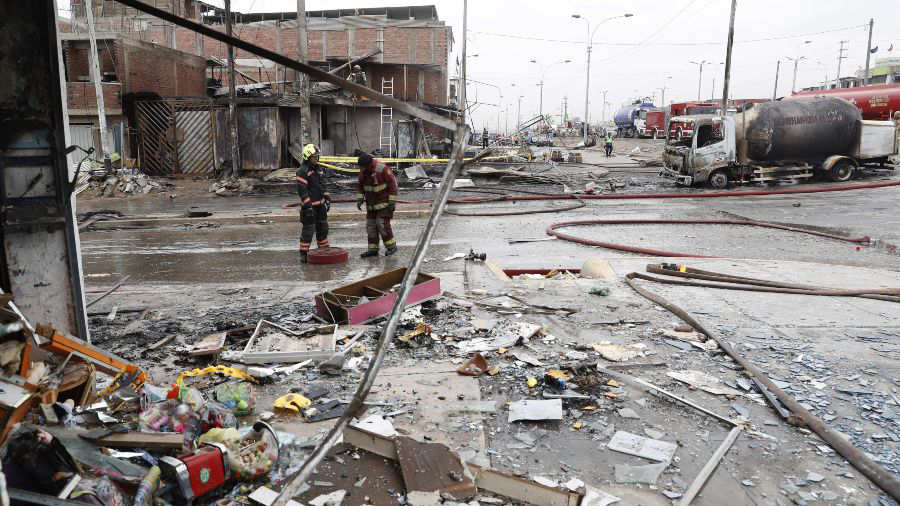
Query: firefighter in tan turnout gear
x,y
378,191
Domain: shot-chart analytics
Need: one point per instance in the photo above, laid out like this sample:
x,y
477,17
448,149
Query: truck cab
x,y
697,158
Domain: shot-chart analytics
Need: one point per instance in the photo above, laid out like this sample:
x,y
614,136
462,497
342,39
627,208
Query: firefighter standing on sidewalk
x,y
378,191
314,201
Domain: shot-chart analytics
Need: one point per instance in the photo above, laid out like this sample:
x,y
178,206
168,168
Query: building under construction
x,y
174,121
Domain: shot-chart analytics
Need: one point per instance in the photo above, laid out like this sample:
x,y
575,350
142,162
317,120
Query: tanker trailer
x,y
626,116
764,142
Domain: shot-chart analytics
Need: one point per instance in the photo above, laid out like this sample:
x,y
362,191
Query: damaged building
x,y
179,126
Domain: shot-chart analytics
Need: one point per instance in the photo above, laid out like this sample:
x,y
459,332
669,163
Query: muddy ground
x,y
837,355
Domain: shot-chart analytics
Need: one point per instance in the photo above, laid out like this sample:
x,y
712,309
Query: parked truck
x,y
786,139
626,116
651,123
681,129
877,102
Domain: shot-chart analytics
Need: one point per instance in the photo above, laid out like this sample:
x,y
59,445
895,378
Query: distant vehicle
x,y
877,102
681,129
794,139
626,116
651,123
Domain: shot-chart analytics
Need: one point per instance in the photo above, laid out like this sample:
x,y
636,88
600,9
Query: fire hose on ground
x,y
552,230
881,477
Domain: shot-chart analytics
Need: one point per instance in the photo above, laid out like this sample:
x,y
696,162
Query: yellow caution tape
x,y
341,169
352,159
227,371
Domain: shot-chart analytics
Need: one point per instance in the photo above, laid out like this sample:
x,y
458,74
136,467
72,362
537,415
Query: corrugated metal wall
x,y
177,137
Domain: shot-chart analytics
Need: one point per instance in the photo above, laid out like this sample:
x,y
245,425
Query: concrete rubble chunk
x,y
640,446
335,498
420,498
645,474
535,410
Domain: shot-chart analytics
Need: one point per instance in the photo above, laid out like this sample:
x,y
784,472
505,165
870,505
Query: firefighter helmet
x,y
309,151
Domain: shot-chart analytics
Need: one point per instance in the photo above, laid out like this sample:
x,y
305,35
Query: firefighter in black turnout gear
x,y
314,201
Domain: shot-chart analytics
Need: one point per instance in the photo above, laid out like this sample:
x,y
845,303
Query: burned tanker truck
x,y
795,139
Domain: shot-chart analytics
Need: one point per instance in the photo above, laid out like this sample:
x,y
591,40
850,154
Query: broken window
x,y
707,135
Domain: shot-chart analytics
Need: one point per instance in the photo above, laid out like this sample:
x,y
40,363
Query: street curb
x,y
261,219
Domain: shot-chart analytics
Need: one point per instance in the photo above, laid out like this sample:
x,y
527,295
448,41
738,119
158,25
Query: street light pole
x,y
700,79
777,70
587,81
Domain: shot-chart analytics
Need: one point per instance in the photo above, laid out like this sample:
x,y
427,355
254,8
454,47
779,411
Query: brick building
x,y
128,68
403,49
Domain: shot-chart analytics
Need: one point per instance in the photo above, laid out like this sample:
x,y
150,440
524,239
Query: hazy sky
x,y
632,57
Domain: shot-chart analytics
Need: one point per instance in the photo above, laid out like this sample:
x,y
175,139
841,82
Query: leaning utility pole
x,y
837,79
461,120
775,90
868,51
98,88
232,114
728,59
302,83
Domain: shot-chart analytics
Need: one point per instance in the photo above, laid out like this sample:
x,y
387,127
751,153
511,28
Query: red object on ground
x,y
342,305
327,256
199,473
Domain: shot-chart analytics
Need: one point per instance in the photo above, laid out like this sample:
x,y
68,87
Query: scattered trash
x,y
475,366
703,381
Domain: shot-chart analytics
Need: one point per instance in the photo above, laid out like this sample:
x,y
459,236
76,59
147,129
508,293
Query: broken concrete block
x,y
647,474
419,498
535,410
333,499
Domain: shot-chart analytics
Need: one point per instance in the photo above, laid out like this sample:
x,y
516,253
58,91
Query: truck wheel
x,y
841,171
719,179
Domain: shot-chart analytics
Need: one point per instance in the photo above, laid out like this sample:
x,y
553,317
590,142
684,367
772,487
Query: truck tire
x,y
842,171
719,179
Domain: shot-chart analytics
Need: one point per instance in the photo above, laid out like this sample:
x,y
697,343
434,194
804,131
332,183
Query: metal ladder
x,y
386,135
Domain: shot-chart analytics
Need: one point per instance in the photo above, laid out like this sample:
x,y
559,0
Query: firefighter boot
x,y
390,251
303,257
369,253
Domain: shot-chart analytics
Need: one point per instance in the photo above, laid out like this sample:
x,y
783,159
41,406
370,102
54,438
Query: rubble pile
x,y
232,187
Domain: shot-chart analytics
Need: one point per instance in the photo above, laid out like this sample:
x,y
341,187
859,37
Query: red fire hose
x,y
551,230
617,196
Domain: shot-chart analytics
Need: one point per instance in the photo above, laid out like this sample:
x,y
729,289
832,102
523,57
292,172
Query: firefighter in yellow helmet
x,y
314,201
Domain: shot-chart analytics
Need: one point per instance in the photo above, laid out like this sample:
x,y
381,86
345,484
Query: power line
x,y
747,41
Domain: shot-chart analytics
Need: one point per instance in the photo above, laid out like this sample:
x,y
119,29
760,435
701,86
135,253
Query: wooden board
x,y
428,467
145,440
212,344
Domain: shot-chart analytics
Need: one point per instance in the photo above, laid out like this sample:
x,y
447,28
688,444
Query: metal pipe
x,y
880,476
311,71
390,328
232,107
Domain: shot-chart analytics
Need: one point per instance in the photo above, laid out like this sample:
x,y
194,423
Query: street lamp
x,y
700,80
519,114
541,84
664,87
587,83
796,62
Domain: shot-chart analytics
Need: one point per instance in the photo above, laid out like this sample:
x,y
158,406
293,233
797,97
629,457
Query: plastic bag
x,y
237,396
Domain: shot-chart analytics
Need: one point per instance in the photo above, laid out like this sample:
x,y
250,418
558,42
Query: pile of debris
x,y
232,187
123,182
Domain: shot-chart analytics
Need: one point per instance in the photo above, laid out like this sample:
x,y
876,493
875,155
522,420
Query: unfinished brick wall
x,y
77,53
82,95
165,72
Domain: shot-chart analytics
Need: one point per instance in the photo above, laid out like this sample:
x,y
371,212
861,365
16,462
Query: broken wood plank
x,y
145,440
429,467
487,479
104,294
497,271
212,344
162,342
710,466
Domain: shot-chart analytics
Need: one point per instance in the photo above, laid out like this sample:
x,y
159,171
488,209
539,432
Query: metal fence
x,y
177,137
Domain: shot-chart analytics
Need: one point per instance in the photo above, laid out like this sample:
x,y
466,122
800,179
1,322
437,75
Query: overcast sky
x,y
633,57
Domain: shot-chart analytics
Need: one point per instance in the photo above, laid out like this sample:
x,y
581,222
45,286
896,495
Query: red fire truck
x,y
877,102
684,129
